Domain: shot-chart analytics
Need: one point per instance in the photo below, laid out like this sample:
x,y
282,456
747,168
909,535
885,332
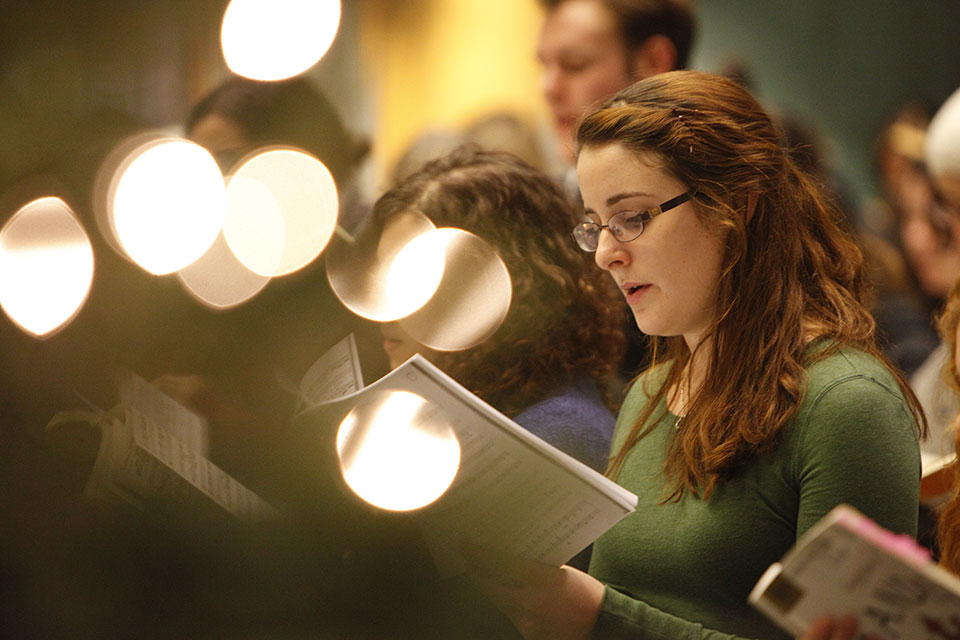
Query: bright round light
x,y
168,204
398,452
219,280
254,229
416,271
473,296
46,266
358,269
282,211
277,39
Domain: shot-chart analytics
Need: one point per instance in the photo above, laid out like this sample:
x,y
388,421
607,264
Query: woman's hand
x,y
196,394
832,629
543,602
187,389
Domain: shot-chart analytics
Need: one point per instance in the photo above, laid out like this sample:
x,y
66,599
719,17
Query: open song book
x,y
152,454
511,492
846,565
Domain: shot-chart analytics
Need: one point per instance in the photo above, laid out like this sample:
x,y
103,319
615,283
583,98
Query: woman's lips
x,y
633,291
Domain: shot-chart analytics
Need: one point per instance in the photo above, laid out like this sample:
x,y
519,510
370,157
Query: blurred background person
x,y
429,145
244,375
930,230
590,49
508,132
242,115
500,130
902,307
550,364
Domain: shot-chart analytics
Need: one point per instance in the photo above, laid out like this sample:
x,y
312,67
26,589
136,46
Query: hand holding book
x,y
848,567
552,603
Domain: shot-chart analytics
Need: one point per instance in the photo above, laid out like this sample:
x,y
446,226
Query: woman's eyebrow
x,y
612,200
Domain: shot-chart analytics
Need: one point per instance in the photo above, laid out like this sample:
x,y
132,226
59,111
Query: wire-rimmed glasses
x,y
624,225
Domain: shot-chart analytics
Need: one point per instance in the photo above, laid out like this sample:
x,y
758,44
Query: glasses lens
x,y
586,235
626,225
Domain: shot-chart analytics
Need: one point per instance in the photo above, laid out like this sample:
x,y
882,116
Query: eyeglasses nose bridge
x,y
610,251
617,231
613,234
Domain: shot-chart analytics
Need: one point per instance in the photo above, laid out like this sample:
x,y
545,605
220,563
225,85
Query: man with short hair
x,y
590,49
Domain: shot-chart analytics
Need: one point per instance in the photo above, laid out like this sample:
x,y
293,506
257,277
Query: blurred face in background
x,y
218,133
929,228
949,188
400,346
583,59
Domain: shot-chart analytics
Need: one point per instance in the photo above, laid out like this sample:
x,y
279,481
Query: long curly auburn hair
x,y
948,523
565,319
789,269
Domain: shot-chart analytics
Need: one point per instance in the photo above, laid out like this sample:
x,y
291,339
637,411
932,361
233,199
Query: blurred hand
x,y
543,602
195,393
834,629
185,389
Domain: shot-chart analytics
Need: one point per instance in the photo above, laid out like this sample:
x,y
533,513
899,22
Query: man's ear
x,y
655,55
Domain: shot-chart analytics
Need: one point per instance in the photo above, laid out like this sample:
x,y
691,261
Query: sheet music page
x,y
335,374
163,410
184,463
513,491
546,505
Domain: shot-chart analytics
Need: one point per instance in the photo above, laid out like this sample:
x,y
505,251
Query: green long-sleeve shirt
x,y
684,569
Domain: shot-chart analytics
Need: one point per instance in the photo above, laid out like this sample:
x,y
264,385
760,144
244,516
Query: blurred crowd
x,y
559,363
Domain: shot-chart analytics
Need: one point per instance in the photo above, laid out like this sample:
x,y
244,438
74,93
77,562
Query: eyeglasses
x,y
625,225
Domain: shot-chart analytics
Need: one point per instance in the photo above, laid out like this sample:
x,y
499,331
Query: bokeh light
x,y
281,211
46,266
472,299
219,280
398,452
108,175
277,39
358,269
415,273
166,204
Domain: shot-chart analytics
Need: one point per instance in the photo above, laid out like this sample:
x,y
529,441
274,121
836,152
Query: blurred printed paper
x,y
846,565
512,493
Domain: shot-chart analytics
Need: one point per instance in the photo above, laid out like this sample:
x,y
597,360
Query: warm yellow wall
x,y
446,62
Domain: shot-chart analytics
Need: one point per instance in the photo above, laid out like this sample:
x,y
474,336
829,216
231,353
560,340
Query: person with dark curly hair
x,y
550,362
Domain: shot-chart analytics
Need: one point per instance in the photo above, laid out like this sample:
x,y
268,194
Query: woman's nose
x,y
610,251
